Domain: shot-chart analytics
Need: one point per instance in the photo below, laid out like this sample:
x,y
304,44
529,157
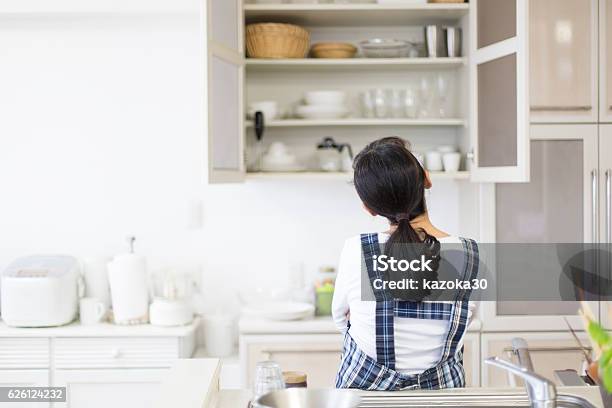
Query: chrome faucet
x,y
542,392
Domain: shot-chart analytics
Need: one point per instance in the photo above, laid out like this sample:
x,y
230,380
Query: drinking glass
x,y
381,110
396,103
425,97
367,104
410,103
268,377
443,95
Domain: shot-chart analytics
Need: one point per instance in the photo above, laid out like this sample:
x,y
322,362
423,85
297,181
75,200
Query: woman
x,y
391,344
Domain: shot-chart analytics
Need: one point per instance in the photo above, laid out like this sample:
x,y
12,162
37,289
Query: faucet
x,y
542,392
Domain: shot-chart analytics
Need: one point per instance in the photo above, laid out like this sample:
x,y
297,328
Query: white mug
x,y
268,108
452,161
91,310
433,161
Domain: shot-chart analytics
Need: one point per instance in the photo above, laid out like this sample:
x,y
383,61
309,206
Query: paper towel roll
x,y
127,276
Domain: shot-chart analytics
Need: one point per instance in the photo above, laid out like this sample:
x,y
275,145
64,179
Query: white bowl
x,y
325,98
321,111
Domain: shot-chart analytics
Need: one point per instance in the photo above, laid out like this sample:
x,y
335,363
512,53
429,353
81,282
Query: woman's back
x,y
419,341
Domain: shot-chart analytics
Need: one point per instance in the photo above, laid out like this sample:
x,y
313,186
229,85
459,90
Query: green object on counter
x,y
324,296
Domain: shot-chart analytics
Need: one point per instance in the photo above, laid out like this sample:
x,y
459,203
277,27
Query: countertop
x,y
316,325
194,383
76,329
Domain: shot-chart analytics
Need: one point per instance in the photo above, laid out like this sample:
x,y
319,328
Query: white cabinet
x,y
605,61
605,209
225,104
109,388
26,378
480,108
530,213
549,352
564,60
101,365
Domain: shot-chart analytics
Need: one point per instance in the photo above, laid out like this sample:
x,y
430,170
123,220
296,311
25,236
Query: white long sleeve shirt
x,y
418,342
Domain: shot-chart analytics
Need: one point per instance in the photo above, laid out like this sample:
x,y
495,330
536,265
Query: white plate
x,y
321,111
279,310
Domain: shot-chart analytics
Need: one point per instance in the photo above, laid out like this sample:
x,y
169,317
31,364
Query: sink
x,y
468,399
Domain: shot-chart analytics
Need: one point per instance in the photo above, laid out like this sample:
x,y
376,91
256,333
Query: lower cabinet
x,y
549,351
318,356
26,378
109,388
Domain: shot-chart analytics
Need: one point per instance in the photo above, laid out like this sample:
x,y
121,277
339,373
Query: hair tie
x,y
402,217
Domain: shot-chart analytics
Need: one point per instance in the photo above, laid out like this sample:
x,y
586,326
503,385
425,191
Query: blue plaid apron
x,y
358,370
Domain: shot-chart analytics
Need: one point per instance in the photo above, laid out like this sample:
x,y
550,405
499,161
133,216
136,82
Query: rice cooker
x,y
40,291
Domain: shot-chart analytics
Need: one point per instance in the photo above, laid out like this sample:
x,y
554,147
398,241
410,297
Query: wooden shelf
x,y
356,14
310,64
438,175
362,122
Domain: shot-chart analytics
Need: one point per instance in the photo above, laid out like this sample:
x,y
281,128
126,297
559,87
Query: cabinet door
x,y
563,170
25,378
549,352
605,61
605,213
499,90
225,91
563,57
316,355
125,388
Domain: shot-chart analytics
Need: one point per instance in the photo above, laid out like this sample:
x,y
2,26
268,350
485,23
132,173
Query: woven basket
x,y
273,40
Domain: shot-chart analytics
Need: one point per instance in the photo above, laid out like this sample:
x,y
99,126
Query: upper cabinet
x,y
500,90
563,60
605,61
225,78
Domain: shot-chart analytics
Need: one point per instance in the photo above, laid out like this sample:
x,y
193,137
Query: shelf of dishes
x,y
330,64
344,176
332,156
427,104
354,13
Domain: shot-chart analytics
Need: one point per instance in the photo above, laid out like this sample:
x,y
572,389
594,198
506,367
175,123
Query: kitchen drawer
x,y
116,352
19,352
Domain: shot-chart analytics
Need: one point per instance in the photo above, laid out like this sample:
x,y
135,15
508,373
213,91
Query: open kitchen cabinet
x,y
484,90
567,199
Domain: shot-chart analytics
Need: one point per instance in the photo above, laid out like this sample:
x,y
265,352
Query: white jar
x,y
433,161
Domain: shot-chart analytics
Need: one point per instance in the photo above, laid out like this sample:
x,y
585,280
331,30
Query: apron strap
x,y
385,305
459,317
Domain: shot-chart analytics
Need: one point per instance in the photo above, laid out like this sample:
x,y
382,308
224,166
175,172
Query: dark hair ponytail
x,y
391,182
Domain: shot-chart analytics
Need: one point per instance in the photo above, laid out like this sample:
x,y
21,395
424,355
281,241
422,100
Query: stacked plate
x,y
323,105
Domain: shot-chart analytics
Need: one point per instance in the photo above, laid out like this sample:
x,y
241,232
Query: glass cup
x,y
381,107
268,378
411,108
396,103
367,104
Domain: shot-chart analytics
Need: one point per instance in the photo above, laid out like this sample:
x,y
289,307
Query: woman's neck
x,y
422,222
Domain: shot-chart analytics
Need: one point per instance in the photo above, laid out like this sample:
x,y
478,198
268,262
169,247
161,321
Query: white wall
x,y
101,136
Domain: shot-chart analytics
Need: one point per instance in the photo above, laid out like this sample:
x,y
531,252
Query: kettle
x,y
332,157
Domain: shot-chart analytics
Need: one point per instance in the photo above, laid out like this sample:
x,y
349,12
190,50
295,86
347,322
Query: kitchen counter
x,y
194,383
76,329
316,325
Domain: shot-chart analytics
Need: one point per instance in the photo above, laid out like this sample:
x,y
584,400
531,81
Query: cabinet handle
x,y
561,108
594,206
609,206
551,349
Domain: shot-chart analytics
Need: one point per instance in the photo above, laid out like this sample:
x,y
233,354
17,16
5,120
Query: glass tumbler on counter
x,y
268,377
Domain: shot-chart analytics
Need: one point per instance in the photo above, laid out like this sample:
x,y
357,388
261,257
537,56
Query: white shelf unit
x,y
356,14
286,80
322,64
342,176
289,123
